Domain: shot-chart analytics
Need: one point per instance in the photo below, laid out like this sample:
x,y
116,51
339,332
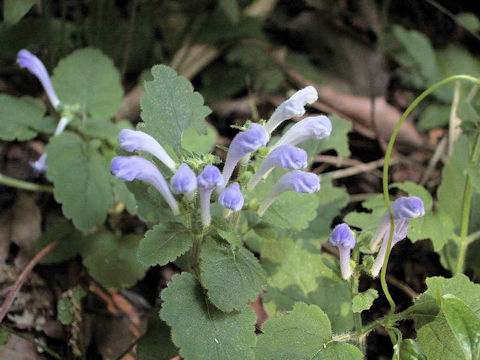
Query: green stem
x,y
31,341
388,155
24,185
466,206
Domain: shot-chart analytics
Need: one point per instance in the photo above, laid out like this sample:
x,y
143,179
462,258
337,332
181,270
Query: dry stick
x,y
23,276
437,155
402,286
338,174
339,161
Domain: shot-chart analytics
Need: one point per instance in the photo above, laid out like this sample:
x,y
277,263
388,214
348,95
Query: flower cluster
x,y
244,144
403,208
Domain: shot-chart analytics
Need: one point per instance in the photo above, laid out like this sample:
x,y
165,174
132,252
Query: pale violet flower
x,y
314,127
131,168
40,166
243,144
296,180
343,238
292,107
286,156
26,60
232,198
184,181
209,179
404,209
134,140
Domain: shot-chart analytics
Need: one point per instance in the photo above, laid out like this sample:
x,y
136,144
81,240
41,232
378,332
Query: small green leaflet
x,y
21,118
408,349
70,242
364,300
170,106
200,330
112,260
89,78
304,334
232,276
156,344
81,178
164,243
69,305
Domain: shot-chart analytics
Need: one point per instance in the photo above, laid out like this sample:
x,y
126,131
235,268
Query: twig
x,y
129,348
31,341
403,286
128,39
338,161
355,170
24,185
23,276
437,155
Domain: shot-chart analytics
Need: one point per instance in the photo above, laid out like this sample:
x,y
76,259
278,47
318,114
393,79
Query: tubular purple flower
x,y
317,127
292,107
296,180
286,156
403,208
209,179
131,168
232,198
26,60
243,144
343,238
134,140
39,166
184,181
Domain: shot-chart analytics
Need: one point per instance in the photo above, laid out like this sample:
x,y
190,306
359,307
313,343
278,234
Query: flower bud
x,y
343,238
131,168
292,107
40,166
209,179
134,140
232,198
184,181
317,127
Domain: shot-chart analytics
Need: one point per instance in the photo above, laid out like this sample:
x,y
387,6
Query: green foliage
x,y
205,333
150,204
434,116
70,242
89,79
408,349
112,260
305,333
164,243
21,118
368,221
81,178
156,344
14,10
364,300
231,9
232,276
198,143
294,274
69,304
170,106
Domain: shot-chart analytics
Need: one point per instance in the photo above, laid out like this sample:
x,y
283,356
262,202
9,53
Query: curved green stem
x,y
24,185
388,154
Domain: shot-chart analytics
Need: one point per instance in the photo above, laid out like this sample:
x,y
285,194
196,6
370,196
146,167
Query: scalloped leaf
x,y
200,330
364,300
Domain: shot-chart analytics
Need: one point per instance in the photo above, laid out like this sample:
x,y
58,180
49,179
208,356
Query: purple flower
x,y
209,179
26,60
133,140
292,107
243,144
286,156
404,209
232,198
39,166
296,180
317,127
343,238
184,181
131,168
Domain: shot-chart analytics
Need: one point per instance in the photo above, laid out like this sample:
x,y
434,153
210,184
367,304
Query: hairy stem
x,y
24,185
357,317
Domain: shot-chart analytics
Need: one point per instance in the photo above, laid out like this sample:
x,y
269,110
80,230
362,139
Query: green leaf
x,y
164,243
231,9
69,305
170,106
88,78
473,170
3,338
232,276
469,21
15,10
149,203
409,350
21,118
156,344
200,330
70,242
294,274
464,323
304,334
434,116
81,178
364,300
123,195
368,221
198,143
112,260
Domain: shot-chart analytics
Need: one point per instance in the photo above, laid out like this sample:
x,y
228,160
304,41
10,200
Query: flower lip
x,y
184,181
408,207
232,198
210,178
299,181
342,236
134,167
249,141
289,157
318,127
